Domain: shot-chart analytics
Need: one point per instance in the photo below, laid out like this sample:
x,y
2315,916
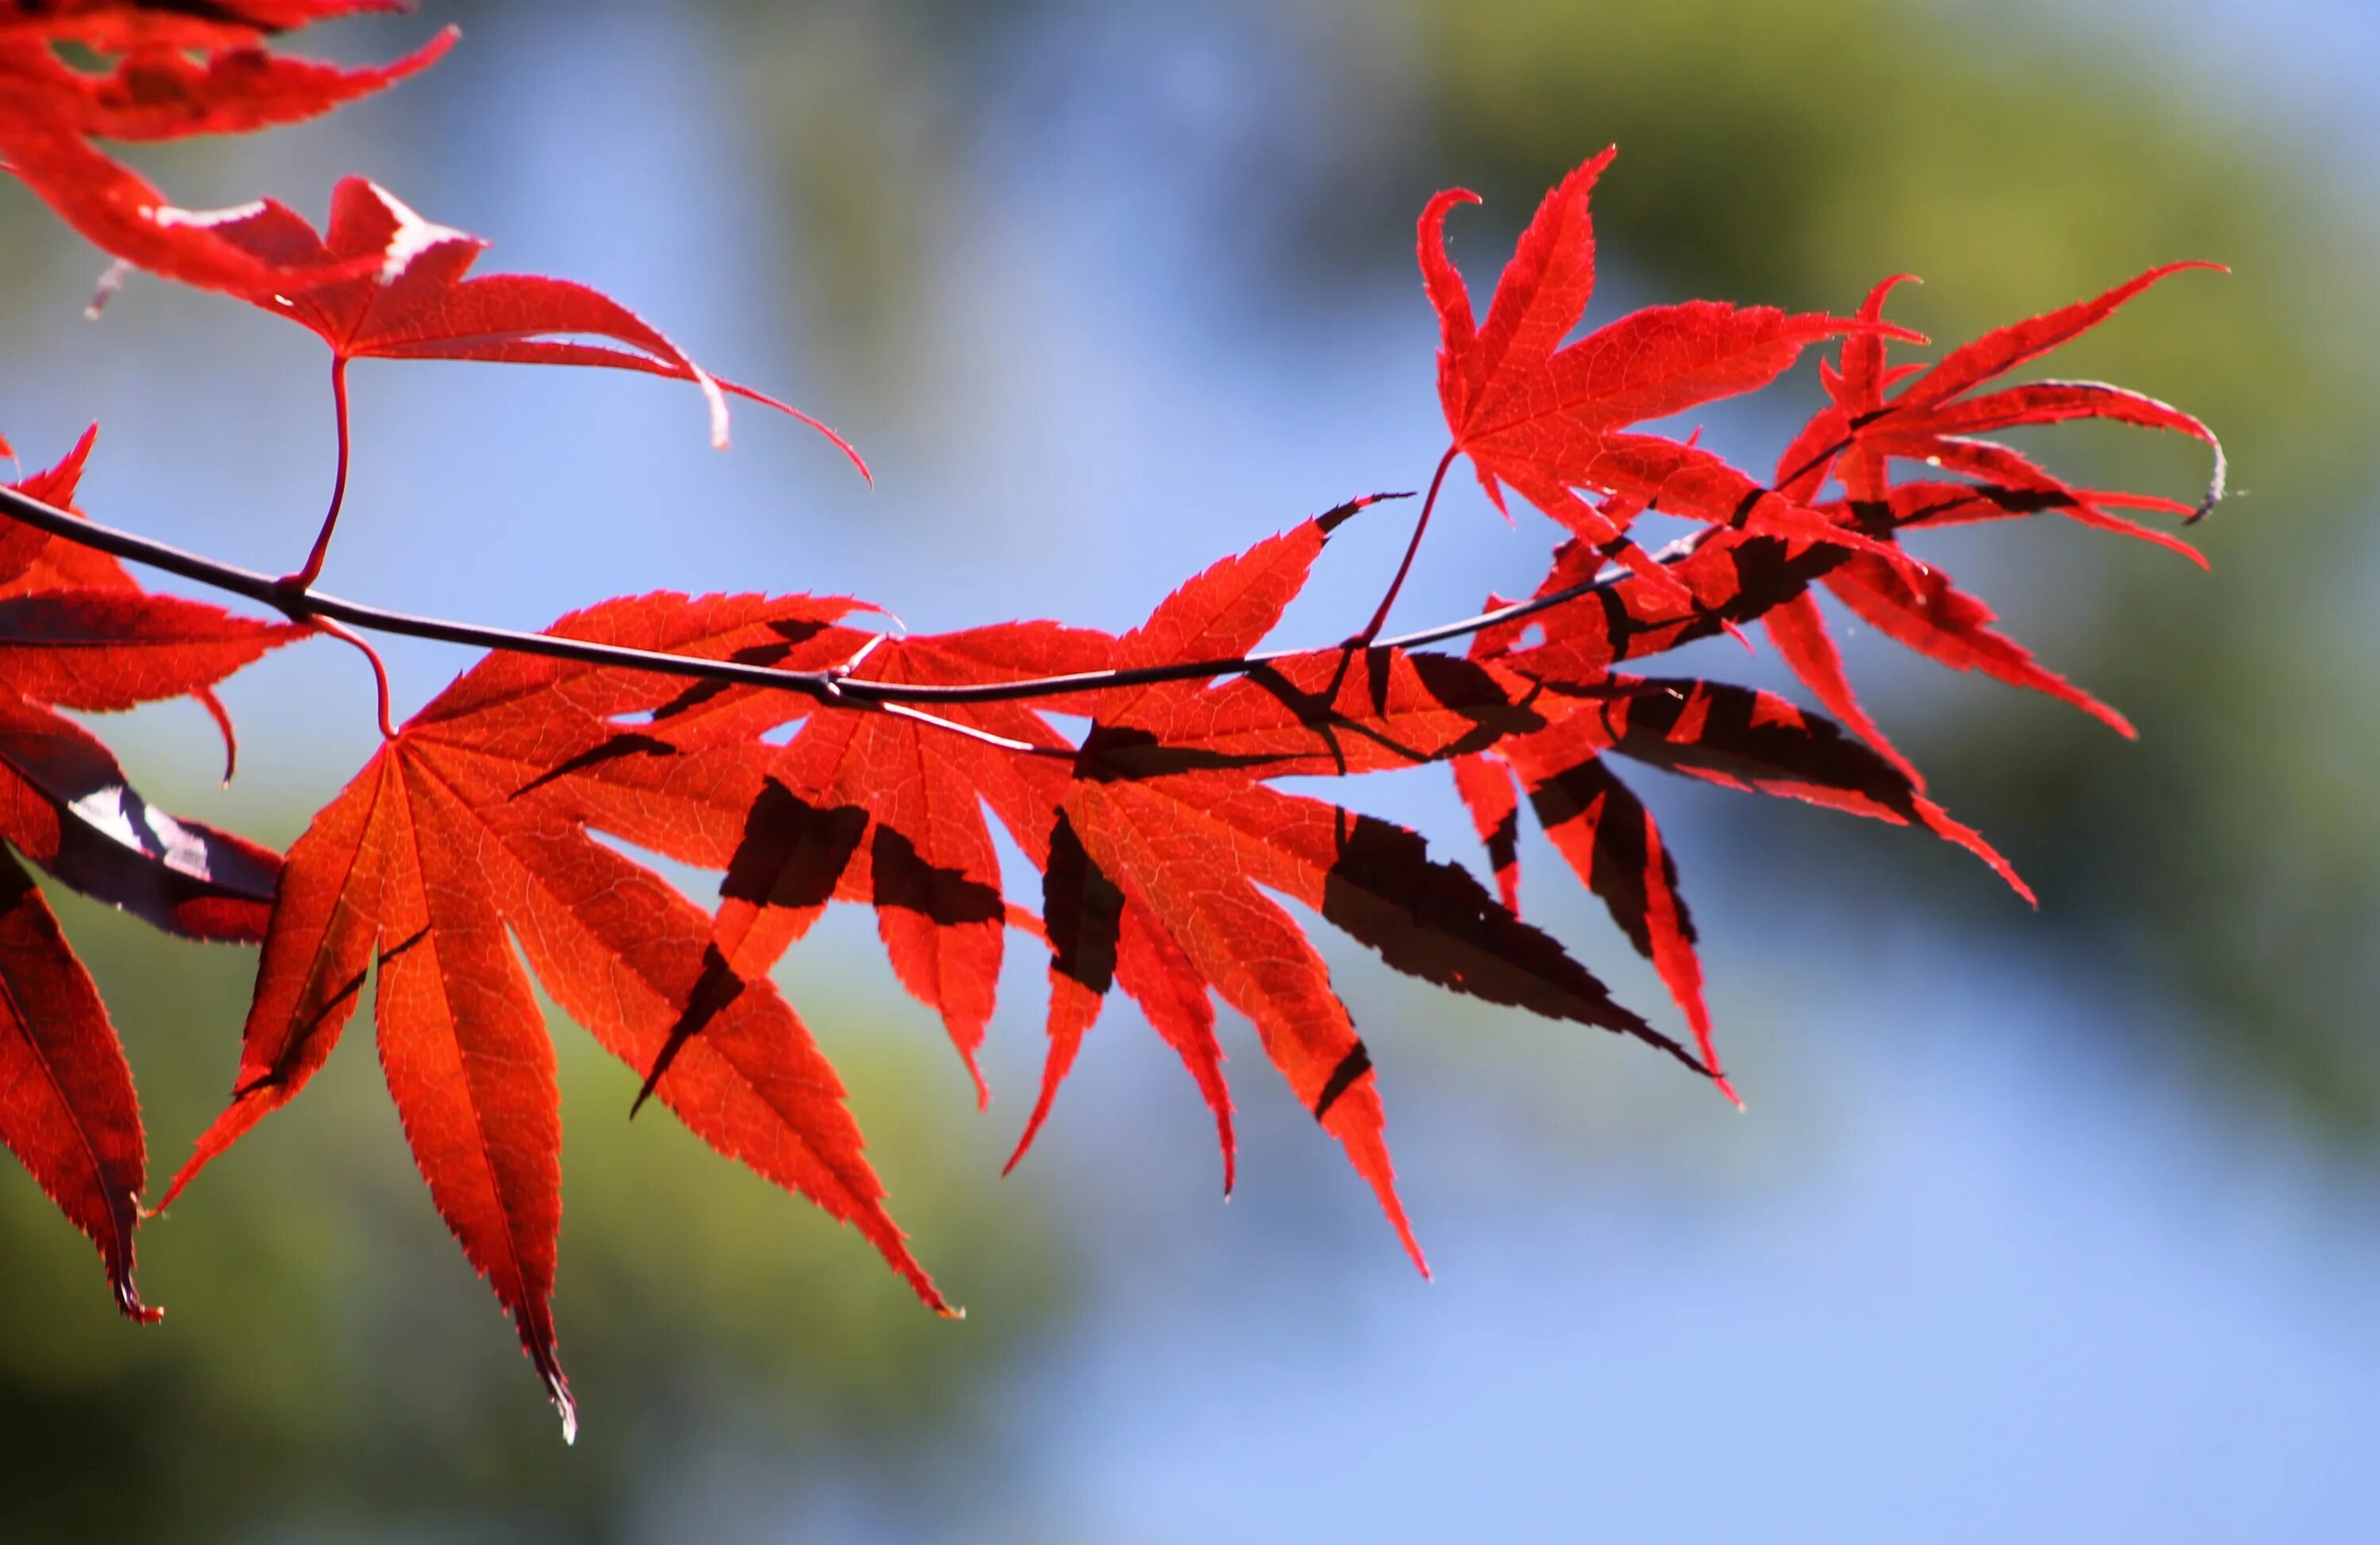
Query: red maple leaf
x,y
49,112
1171,824
1550,420
885,809
415,298
467,827
76,632
161,91
882,808
1936,419
420,301
1724,576
113,26
464,863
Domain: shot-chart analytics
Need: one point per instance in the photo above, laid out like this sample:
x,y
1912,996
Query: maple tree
x,y
468,847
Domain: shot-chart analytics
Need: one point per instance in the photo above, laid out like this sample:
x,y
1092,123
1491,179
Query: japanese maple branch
x,y
303,605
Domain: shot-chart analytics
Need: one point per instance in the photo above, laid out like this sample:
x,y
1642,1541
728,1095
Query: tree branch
x,y
828,685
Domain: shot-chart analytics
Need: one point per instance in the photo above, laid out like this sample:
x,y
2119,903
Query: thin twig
x,y
310,606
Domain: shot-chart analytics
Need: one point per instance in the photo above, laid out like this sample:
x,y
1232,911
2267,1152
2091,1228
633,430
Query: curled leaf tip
x,y
1873,305
222,716
850,452
2216,490
128,1300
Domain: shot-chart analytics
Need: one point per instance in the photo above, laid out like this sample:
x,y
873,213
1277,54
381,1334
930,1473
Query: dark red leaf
x,y
1610,841
66,1106
65,804
1740,738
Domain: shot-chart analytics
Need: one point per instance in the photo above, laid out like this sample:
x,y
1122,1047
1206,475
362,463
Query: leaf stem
x,y
1429,502
305,577
379,667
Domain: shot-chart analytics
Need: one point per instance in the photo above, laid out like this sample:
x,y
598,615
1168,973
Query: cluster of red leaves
x,y
76,632
1163,847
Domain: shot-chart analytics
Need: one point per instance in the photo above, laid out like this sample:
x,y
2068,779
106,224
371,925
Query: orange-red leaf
x,y
888,809
469,828
102,649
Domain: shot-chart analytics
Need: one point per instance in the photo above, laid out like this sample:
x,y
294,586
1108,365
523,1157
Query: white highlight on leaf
x,y
122,815
168,217
413,236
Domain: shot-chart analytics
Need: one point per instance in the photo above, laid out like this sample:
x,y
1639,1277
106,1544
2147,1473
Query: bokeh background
x,y
2043,1226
